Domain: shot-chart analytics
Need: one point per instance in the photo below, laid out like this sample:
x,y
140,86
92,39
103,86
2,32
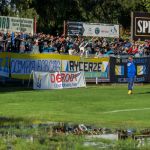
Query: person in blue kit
x,y
131,72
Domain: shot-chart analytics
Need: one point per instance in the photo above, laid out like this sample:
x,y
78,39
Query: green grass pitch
x,y
99,105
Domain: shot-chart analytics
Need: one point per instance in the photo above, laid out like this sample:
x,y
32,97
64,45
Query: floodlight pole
x,y
35,24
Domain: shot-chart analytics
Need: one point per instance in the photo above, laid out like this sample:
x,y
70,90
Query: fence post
x,y
96,80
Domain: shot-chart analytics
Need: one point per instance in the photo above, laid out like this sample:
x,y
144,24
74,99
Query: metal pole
x,y
64,28
35,24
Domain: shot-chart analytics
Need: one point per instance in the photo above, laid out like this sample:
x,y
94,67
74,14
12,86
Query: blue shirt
x,y
131,71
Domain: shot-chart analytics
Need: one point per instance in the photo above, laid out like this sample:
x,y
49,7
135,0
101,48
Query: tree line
x,y
50,14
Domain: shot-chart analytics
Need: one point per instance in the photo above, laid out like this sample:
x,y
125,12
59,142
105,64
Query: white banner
x,y
40,80
92,29
58,80
101,30
15,24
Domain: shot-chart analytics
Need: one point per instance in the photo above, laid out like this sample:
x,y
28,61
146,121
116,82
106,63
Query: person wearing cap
x,y
131,71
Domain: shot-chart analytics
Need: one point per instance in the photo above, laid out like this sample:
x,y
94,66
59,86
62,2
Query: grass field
x,y
99,105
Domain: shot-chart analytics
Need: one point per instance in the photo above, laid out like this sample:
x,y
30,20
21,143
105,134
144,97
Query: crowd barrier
x,y
20,66
105,69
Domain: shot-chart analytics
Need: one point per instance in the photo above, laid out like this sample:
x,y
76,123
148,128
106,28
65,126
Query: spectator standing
x,y
2,43
22,46
45,48
71,50
35,47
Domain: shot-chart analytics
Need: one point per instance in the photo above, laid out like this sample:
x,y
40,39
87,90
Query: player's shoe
x,y
129,92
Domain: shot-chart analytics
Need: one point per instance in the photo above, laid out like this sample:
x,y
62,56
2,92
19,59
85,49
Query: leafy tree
x,y
147,4
52,13
55,12
124,12
24,8
20,8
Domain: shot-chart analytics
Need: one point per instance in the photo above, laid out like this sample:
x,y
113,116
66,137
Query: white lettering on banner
x,y
24,66
58,80
15,24
4,22
143,26
140,26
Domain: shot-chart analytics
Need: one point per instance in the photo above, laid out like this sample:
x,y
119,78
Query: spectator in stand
x,y
22,45
82,51
25,43
76,46
141,50
71,51
2,42
52,48
45,48
89,48
147,47
35,48
104,43
8,42
58,45
98,53
135,48
127,43
16,42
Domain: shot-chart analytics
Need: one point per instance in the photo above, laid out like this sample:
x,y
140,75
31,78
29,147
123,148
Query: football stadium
x,y
74,75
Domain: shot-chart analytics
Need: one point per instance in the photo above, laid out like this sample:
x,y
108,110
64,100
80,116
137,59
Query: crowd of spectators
x,y
46,43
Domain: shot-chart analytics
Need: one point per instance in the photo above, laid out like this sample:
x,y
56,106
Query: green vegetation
x,y
51,14
100,105
22,110
43,141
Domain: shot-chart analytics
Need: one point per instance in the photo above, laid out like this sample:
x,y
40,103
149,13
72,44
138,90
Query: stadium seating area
x,y
46,43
